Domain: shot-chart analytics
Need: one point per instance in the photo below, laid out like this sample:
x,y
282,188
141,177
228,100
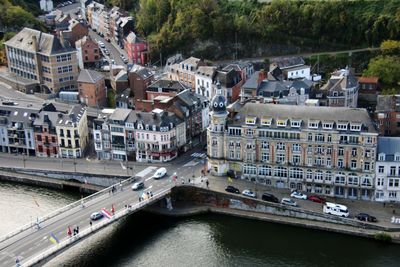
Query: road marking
x,y
150,187
44,238
148,179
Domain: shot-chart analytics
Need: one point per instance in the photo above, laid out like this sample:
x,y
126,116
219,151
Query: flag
x,y
230,179
106,213
53,239
112,209
34,200
69,232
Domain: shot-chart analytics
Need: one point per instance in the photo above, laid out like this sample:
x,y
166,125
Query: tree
x,y
386,68
390,47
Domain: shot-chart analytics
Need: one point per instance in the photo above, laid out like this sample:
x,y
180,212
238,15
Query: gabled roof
x,y
122,76
132,38
168,85
252,82
368,80
141,71
208,71
341,80
47,44
89,76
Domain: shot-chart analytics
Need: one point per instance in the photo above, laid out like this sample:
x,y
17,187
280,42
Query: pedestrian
x,y
189,180
207,183
151,194
77,229
140,199
90,222
384,204
74,231
394,211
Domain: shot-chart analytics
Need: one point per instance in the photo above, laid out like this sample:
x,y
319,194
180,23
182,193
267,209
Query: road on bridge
x,y
33,241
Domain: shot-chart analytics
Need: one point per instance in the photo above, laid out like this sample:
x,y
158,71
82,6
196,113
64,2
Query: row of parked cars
x,y
328,207
65,3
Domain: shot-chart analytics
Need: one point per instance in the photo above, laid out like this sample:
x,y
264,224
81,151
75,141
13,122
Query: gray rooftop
x,y
89,76
389,146
252,82
47,44
120,114
305,113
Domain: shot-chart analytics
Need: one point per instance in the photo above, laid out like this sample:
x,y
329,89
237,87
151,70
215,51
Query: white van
x,y
160,173
336,209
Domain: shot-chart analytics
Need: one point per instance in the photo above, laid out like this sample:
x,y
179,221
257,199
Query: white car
x,y
160,173
289,202
298,195
137,186
249,193
96,216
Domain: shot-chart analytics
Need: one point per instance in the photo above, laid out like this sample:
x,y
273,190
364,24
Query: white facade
x,y
204,85
298,73
46,5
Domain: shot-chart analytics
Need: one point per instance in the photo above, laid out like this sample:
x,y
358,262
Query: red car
x,y
317,199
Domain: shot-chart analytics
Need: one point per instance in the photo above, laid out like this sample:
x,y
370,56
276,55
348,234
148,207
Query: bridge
x,y
39,241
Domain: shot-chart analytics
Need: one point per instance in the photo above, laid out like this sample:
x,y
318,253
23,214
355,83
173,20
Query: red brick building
x,y
92,88
46,144
139,79
388,115
88,52
137,49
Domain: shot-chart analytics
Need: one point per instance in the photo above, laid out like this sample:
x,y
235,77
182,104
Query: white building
x,y
292,67
387,182
204,81
46,5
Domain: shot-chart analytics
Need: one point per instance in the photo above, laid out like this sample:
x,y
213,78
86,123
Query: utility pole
x,y
236,46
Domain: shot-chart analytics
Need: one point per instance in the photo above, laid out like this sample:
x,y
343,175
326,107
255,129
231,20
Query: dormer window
x,y
251,120
281,123
140,126
266,121
154,128
341,126
356,127
327,125
381,157
147,127
295,124
313,124
397,157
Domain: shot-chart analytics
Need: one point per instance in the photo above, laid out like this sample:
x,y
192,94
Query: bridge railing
x,y
75,204
86,232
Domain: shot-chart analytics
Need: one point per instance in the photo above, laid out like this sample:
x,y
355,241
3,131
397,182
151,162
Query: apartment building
x,y
387,114
185,71
154,136
387,182
16,127
72,132
306,148
92,88
44,59
46,142
88,53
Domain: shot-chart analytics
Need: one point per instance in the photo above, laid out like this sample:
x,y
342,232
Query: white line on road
x,y
148,179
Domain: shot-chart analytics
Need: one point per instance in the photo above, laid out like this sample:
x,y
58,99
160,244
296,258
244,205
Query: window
x,y
280,172
296,159
396,157
281,123
63,58
327,125
64,69
353,164
309,174
266,121
249,169
340,151
329,150
309,136
381,157
280,158
296,173
366,166
341,126
379,182
319,138
392,194
353,180
251,120
265,170
264,157
319,176
231,154
340,163
381,169
392,170
340,179
329,138
355,127
280,146
313,124
295,124
328,162
265,145
296,148
354,151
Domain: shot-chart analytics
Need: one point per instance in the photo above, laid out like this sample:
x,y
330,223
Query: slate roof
x,y
132,38
120,114
143,72
89,76
206,71
341,80
252,82
287,62
40,119
47,44
122,76
166,85
390,146
306,113
73,117
158,118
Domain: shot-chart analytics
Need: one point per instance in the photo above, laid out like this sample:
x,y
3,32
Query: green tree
x,y
387,68
390,47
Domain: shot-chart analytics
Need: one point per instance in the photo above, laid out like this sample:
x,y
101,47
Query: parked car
x,y
289,202
113,61
249,193
125,61
106,52
230,173
317,199
138,186
160,173
232,189
96,216
366,217
107,39
298,195
269,197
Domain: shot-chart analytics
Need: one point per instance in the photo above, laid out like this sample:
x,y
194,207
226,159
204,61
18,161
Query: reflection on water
x,y
145,239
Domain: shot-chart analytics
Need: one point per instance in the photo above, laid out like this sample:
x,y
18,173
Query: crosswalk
x,y
199,155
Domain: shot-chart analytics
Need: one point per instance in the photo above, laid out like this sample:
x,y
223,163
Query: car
x,y
96,216
107,39
298,195
270,198
137,186
249,193
106,52
317,199
113,61
289,202
160,173
122,56
231,174
232,189
366,217
125,61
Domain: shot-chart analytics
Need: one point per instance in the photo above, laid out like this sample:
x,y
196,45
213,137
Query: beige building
x,y
306,148
34,56
72,132
185,71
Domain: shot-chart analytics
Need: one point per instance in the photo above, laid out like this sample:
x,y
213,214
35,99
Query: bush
x,y
383,237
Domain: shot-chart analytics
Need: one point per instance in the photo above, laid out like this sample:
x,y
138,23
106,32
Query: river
x,y
209,240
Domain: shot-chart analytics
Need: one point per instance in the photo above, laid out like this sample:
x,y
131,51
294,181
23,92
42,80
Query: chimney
x,y
262,75
35,43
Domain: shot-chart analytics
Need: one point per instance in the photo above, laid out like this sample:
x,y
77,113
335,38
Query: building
x,y
292,67
341,90
75,31
136,48
120,82
164,87
229,82
316,149
72,132
245,68
367,95
42,58
204,81
123,27
388,114
185,71
88,53
92,88
46,142
125,99
139,79
46,5
16,127
387,182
